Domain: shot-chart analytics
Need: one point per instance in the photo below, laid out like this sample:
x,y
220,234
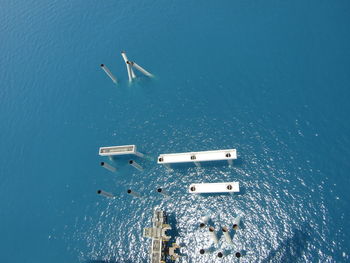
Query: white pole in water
x,y
236,222
139,154
230,161
133,193
197,164
213,235
203,221
106,194
139,68
227,235
209,250
108,167
204,251
136,165
109,73
164,193
131,73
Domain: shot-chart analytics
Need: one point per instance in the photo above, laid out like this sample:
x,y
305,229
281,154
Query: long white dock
x,y
196,157
119,150
229,187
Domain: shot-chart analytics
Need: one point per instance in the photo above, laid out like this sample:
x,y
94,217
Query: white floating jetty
x,y
119,150
230,187
196,157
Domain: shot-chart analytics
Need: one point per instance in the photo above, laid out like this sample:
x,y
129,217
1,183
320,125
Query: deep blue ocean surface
x,y
269,78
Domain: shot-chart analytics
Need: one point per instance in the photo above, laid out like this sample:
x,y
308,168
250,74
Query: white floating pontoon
x,y
196,157
119,150
230,187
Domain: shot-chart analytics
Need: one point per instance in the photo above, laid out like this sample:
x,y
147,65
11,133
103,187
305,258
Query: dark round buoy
x,y
160,159
211,229
228,155
129,191
102,163
201,225
220,255
238,255
224,229
102,65
235,226
193,188
159,190
193,157
202,251
99,191
131,161
229,187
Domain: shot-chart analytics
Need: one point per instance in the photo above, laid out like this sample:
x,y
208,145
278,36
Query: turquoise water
x,y
270,79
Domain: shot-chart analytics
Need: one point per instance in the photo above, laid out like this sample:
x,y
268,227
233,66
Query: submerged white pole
x,y
133,193
139,68
236,222
136,165
209,250
198,164
202,251
106,194
131,73
230,161
109,73
203,221
212,235
108,167
124,56
139,154
164,193
227,235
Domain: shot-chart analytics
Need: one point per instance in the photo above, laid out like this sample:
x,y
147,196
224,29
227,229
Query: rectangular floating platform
x,y
230,187
119,150
196,157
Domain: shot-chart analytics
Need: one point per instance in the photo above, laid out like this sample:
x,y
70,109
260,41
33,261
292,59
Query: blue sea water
x,y
268,78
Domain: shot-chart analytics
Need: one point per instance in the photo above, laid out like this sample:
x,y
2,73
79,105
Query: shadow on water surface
x,y
174,232
291,249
